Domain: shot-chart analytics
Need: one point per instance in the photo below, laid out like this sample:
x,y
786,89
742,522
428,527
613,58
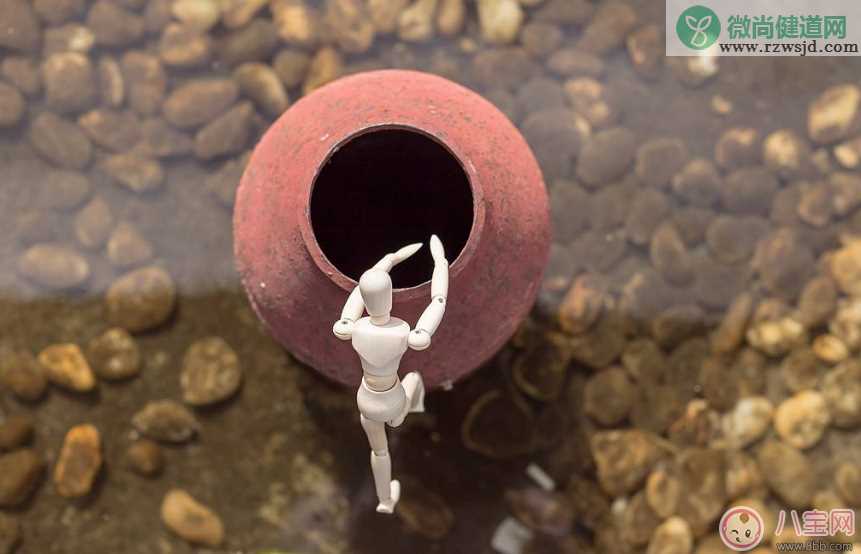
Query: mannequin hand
x,y
406,252
343,329
419,340
437,250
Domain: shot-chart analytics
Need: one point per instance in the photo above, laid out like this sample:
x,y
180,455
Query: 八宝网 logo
x,y
741,528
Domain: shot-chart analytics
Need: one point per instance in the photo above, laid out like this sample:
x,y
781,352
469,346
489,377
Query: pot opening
x,y
385,189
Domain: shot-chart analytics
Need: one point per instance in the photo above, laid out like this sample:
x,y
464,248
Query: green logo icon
x,y
698,27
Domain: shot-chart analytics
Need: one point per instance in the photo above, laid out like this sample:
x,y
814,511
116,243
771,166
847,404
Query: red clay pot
x,y
368,164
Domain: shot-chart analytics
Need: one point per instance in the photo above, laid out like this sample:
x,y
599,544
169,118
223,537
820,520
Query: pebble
x,y
834,115
184,46
55,12
815,205
749,191
113,25
291,66
498,426
802,419
136,173
23,73
191,520
539,94
777,337
94,223
424,512
698,183
160,140
145,458
543,511
648,209
21,28
846,322
565,12
801,369
646,50
166,421
555,139
114,355
742,475
784,263
114,130
602,344
66,367
606,156
68,38
830,349
141,300
729,335
157,15
845,265
199,101
127,247
80,461
500,20
540,370
747,422
608,396
738,147
60,141
582,305
225,135
326,66
732,239
22,374
841,389
237,13
662,491
12,106
111,83
54,266
658,160
786,153
609,27
589,100
254,42
349,25
20,474
416,23
847,480
297,23
384,14
503,68
146,82
788,472
223,183
623,459
677,323
211,372
16,431
673,536
260,83
638,521
65,190
570,62
201,15
817,302
848,153
10,534
669,255
845,189
450,17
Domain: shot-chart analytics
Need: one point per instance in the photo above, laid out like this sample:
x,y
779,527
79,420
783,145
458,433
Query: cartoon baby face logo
x,y
741,528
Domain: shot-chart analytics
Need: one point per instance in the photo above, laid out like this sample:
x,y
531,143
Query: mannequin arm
x,y
353,310
432,316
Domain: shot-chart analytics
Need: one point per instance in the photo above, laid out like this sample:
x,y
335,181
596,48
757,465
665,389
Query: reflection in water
x,y
694,345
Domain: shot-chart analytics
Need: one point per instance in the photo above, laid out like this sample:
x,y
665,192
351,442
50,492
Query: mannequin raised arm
x,y
430,319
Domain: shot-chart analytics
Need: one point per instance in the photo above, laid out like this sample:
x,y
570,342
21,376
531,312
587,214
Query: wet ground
x,y
672,367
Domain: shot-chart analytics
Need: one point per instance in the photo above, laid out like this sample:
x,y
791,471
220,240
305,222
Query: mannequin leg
x,y
415,390
388,491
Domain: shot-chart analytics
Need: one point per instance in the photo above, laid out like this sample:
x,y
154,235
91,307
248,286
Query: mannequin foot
x,y
388,506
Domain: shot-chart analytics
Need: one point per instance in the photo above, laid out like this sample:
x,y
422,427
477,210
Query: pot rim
x,y
423,289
